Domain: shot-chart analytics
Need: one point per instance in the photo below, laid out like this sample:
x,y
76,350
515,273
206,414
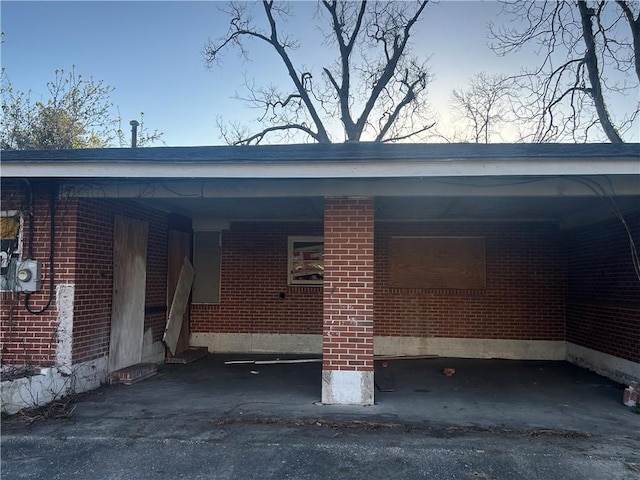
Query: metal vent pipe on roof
x,y
134,133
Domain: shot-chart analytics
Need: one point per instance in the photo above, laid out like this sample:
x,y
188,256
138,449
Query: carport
x,y
537,242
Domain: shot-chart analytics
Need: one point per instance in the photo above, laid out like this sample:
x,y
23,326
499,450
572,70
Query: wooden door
x,y
129,285
179,248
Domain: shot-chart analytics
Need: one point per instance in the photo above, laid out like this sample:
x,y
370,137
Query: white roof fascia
x,y
321,169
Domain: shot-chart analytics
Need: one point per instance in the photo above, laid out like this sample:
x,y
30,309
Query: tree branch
x,y
592,35
373,83
390,67
634,25
258,137
409,135
409,97
321,136
346,49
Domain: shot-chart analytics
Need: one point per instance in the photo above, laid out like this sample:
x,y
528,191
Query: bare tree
x,y
483,109
589,58
375,87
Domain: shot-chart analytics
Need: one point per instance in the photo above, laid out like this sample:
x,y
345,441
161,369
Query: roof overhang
x,y
568,184
364,160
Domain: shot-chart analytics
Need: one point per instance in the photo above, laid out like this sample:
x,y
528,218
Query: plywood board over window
x,y
437,263
206,261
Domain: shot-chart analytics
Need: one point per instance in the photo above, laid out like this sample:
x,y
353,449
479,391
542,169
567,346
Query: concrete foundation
x,y
471,348
257,343
444,347
52,384
615,368
65,296
345,387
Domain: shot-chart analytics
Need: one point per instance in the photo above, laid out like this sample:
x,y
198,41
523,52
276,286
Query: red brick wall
x,y
93,291
94,280
524,295
254,273
348,284
524,298
84,257
603,301
26,338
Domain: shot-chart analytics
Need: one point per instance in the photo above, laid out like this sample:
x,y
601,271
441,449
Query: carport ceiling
x,y
565,210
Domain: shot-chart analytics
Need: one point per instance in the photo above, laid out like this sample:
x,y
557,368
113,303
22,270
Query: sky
x,y
151,53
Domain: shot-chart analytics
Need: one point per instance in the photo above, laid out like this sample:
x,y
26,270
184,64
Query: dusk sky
x,y
151,52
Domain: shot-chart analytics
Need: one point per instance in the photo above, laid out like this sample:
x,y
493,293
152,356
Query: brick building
x,y
350,250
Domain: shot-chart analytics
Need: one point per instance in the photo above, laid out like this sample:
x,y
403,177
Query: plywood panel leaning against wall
x,y
178,306
129,282
179,248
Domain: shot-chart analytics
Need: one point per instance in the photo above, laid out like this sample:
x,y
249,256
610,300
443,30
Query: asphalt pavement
x,y
491,420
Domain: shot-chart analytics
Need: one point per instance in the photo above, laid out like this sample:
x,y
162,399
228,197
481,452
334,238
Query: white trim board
x,y
319,169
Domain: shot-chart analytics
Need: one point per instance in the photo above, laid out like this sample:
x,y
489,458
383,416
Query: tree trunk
x,y
591,61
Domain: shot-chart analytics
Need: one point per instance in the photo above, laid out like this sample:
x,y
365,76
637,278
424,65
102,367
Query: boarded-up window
x,y
437,262
206,263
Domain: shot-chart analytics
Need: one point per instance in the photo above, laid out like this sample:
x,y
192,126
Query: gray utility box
x,y
27,276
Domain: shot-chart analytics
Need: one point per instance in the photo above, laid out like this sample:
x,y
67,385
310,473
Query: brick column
x,y
347,339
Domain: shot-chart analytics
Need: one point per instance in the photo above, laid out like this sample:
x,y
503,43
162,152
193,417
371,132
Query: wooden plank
x,y
318,360
403,357
179,247
437,262
129,286
278,362
178,306
273,362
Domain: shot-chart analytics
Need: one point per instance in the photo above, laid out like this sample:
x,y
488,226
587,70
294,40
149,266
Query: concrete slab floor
x,y
481,394
493,419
